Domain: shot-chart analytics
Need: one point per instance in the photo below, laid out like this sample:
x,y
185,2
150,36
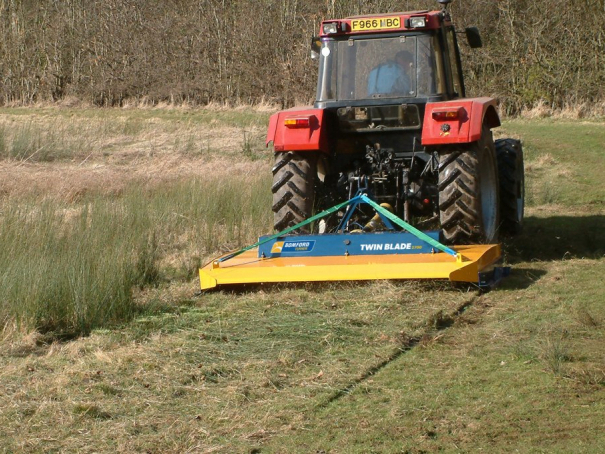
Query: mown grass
x,y
339,368
517,373
335,368
229,372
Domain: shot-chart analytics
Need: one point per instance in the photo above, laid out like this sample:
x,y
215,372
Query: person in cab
x,y
392,77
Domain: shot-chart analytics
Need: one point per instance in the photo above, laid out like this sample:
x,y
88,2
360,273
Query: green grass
x,y
30,142
68,275
564,160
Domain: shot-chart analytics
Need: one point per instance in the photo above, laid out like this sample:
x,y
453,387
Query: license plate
x,y
379,23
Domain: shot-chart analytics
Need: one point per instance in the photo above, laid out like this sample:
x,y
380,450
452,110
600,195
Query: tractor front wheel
x,y
469,193
294,176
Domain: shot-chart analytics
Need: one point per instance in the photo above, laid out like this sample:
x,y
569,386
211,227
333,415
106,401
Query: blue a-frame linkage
x,y
386,216
354,203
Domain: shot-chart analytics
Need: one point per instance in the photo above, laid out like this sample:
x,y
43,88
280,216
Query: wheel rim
x,y
520,193
489,195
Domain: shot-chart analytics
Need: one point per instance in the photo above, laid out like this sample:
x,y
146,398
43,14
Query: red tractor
x,y
391,120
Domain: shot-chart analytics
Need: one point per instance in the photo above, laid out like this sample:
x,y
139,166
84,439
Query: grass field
x,y
105,216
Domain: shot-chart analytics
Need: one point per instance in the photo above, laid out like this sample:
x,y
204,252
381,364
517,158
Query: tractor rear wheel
x,y
294,176
468,193
511,174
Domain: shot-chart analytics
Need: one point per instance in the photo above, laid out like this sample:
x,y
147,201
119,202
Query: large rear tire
x,y
294,176
511,174
468,193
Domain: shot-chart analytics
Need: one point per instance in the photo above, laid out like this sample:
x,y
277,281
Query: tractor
x,y
392,173
391,119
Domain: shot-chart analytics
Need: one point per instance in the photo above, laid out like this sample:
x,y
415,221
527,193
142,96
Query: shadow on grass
x,y
558,238
521,278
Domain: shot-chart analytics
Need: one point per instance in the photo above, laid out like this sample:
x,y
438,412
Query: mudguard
x,y
298,129
463,126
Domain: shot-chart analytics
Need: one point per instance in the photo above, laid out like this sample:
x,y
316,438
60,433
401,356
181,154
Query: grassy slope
x,y
383,367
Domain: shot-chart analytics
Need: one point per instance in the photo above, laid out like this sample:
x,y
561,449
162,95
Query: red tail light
x,y
447,114
298,122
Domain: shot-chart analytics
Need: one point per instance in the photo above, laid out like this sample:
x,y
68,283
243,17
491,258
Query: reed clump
x,y
68,268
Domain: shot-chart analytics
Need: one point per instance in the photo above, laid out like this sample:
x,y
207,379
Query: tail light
x,y
297,122
448,113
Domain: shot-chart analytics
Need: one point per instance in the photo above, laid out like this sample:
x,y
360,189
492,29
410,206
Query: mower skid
x,y
472,264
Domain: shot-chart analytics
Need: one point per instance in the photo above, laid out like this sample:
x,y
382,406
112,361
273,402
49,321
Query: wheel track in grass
x,y
437,322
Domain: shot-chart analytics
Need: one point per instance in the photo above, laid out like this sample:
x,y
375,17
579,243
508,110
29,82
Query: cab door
x,y
455,81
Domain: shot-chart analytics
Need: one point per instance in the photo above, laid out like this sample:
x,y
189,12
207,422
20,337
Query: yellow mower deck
x,y
248,268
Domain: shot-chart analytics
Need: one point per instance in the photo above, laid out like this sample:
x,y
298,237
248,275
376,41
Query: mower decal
x,y
277,247
298,246
292,246
389,247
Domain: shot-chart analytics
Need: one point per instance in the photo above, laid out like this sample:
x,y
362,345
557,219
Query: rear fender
x,y
298,129
463,127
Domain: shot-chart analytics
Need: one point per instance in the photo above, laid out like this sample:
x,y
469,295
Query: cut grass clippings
x,y
229,370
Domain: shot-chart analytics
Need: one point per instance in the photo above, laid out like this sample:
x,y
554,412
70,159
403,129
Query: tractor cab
x,y
381,59
377,73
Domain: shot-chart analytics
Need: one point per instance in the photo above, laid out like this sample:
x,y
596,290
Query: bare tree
x,y
199,51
